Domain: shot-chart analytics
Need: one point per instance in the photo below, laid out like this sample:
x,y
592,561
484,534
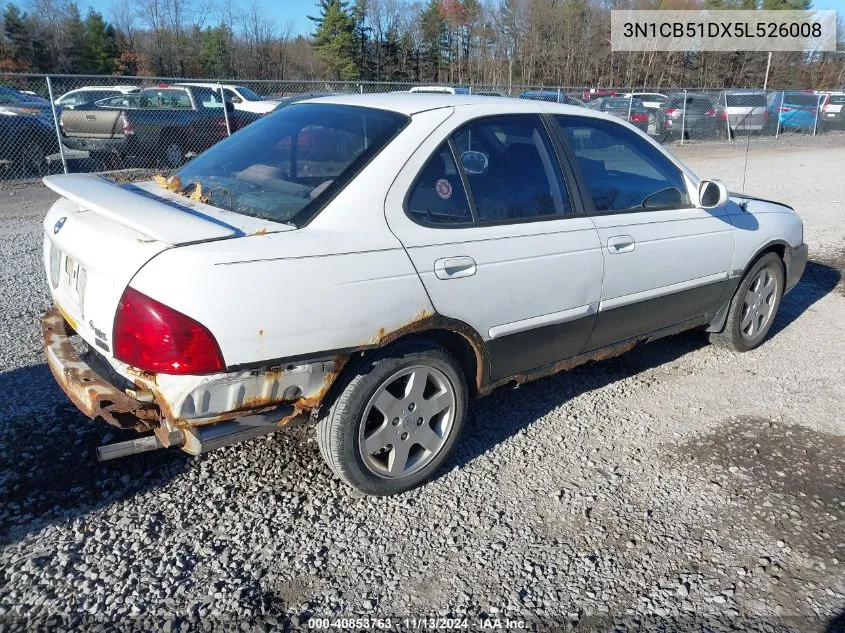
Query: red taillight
x,y
784,109
671,111
62,123
711,112
126,124
640,118
152,337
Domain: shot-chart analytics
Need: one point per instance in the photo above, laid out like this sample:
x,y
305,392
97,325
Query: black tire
x,y
733,335
33,159
172,153
340,434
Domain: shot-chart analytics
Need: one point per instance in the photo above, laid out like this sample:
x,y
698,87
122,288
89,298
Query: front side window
x,y
622,170
284,165
249,95
512,169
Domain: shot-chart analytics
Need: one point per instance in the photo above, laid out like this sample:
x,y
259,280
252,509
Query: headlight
x,y
55,262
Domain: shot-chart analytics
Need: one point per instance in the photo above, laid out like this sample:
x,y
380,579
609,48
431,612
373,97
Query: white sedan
x,y
372,262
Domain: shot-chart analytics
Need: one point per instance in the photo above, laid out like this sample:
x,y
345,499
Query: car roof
x,y
413,103
115,88
207,84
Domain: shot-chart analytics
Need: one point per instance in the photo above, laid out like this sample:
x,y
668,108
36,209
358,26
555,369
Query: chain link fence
x,y
72,123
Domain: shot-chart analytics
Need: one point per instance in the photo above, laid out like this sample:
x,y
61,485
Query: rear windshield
x,y
836,99
747,101
283,166
801,99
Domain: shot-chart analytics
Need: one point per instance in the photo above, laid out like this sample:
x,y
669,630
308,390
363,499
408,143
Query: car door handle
x,y
454,267
621,244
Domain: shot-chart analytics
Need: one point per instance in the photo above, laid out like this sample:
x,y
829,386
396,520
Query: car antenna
x,y
744,204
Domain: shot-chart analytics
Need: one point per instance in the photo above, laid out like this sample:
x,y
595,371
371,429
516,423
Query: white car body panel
x,y
287,304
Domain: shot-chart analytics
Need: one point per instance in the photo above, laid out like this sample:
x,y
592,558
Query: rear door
x,y
498,238
665,261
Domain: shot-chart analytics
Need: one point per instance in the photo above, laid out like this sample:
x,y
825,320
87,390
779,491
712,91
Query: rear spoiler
x,y
158,218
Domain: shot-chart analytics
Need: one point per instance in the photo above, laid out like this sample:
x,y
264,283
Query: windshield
x,y
801,99
283,166
249,95
746,100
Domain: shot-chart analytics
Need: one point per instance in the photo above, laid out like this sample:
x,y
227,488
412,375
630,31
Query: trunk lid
x,y
99,234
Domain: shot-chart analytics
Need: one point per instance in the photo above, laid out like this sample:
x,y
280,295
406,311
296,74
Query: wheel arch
x,y
778,247
461,340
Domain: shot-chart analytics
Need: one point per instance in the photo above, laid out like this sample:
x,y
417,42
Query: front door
x,y
488,220
665,260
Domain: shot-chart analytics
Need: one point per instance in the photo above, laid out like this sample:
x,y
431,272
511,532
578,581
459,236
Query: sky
x,y
281,12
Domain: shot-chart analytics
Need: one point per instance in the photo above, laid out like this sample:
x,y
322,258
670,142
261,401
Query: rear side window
x,y
512,169
746,101
623,171
836,99
438,196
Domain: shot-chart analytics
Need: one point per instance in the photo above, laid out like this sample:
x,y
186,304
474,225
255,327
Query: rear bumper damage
x,y
195,413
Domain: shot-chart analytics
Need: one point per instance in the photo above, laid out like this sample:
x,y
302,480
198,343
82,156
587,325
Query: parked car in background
x,y
13,101
596,93
833,114
626,108
243,98
571,238
551,96
651,100
167,123
26,142
449,90
489,93
90,94
691,114
794,110
742,110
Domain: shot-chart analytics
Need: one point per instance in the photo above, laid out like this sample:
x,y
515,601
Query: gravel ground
x,y
678,487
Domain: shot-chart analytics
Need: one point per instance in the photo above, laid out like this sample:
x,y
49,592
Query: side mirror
x,y
712,193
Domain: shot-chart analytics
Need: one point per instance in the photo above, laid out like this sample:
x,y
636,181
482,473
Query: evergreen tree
x,y
18,38
99,48
433,31
74,55
334,39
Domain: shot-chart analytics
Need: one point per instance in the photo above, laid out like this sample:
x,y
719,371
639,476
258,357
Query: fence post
x,y
361,88
684,117
727,117
818,111
225,110
558,94
56,124
630,103
777,120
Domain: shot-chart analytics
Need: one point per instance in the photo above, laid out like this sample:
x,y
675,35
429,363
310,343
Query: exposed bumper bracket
x,y
92,395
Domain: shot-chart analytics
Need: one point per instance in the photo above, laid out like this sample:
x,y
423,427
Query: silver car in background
x,y
743,110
